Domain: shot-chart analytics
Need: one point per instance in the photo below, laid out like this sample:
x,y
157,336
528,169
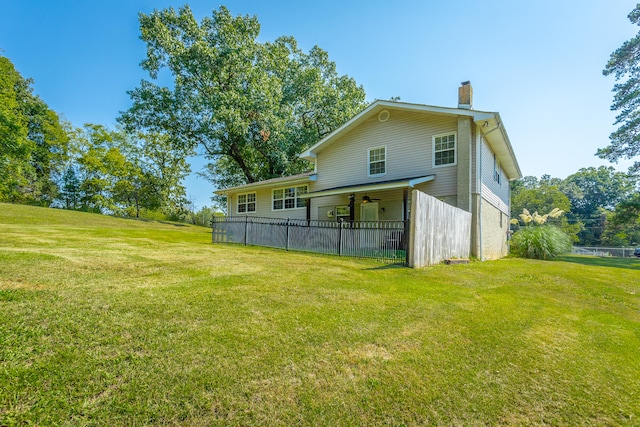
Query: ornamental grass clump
x,y
538,239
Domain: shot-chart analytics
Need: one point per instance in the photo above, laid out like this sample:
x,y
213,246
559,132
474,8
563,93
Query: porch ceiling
x,y
383,185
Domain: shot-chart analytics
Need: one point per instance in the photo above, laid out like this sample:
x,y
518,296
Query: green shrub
x,y
541,242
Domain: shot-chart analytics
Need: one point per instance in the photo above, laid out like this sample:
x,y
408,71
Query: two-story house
x,y
364,170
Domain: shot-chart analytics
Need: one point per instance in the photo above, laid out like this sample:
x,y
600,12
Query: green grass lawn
x,y
108,321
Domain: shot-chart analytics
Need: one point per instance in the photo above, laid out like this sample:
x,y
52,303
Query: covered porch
x,y
370,202
435,231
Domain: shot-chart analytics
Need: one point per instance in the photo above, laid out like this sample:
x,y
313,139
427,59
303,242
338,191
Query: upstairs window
x,y
377,161
247,203
497,170
289,198
444,150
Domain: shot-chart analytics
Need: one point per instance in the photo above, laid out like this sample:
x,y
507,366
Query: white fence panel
x,y
438,231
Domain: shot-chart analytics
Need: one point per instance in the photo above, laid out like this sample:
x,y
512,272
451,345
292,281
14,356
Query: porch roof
x,y
293,179
371,186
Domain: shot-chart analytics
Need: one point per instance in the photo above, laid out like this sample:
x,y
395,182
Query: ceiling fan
x,y
367,199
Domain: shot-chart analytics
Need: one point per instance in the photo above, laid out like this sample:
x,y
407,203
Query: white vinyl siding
x,y
408,140
246,203
377,161
496,192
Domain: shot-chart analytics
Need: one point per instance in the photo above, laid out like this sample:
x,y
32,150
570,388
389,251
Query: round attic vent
x,y
383,116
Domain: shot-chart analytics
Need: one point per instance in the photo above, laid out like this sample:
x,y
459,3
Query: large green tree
x,y
154,175
602,187
623,224
588,197
14,144
541,195
97,159
594,193
33,141
251,106
166,161
123,174
624,65
49,141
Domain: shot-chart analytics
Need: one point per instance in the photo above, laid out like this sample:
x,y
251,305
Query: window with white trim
x,y
246,203
288,198
343,212
444,149
377,161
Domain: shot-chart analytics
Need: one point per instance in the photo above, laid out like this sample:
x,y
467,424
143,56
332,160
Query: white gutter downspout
x,y
479,189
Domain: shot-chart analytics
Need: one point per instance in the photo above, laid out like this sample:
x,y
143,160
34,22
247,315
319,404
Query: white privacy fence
x,y
438,231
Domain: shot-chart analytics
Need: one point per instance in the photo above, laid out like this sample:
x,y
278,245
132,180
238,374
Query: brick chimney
x,y
465,96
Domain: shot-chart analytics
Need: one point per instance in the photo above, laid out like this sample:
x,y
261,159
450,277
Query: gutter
x,y
296,179
374,186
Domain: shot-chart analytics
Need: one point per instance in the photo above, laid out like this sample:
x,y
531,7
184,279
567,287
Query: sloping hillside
x,y
106,321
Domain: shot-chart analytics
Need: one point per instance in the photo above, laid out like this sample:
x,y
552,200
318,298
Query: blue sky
x,y
537,63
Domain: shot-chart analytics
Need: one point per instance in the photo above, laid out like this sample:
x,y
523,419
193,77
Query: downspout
x,y
509,221
479,190
407,227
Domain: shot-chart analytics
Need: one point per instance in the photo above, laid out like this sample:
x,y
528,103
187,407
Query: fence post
x,y
246,224
407,231
340,222
288,220
213,230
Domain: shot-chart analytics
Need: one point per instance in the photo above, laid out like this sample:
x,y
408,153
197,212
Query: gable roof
x,y
489,123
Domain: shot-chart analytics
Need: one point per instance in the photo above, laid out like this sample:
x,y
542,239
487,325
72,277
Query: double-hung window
x,y
246,203
497,170
377,161
444,149
289,198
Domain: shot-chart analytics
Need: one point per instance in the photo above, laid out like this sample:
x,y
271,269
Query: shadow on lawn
x,y
630,263
386,267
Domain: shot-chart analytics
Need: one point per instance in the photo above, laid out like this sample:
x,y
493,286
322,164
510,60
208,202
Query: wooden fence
x,y
438,231
383,240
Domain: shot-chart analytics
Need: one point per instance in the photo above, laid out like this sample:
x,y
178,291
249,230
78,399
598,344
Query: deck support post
x,y
246,225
